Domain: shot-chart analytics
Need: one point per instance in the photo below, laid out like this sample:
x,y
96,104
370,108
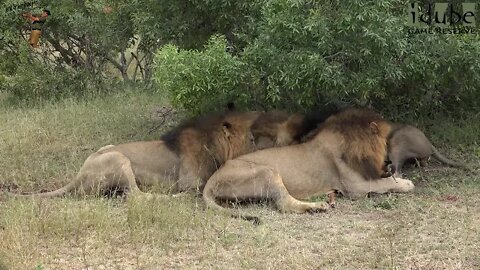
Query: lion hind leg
x,y
83,179
118,174
240,180
210,193
332,195
105,172
128,182
287,203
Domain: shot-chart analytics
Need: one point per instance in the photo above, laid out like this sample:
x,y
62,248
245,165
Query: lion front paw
x,y
404,185
317,208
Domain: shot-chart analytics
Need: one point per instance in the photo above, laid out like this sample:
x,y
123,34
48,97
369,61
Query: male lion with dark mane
x,y
346,155
183,160
405,142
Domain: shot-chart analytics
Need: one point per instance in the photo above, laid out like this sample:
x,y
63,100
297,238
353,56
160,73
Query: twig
x,y
163,117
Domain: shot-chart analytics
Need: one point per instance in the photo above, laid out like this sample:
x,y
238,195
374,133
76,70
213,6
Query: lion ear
x,y
374,127
227,129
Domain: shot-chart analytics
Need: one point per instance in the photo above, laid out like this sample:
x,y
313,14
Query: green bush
x,y
35,81
202,81
308,53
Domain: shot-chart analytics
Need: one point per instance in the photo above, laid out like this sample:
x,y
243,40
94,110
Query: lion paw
x,y
331,198
404,185
319,207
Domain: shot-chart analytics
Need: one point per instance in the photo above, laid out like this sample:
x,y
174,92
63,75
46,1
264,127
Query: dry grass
x,y
437,227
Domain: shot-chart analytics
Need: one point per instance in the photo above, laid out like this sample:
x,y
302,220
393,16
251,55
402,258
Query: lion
x,y
279,128
276,128
407,142
346,147
183,160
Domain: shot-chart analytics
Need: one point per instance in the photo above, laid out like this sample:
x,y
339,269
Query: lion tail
x,y
209,199
446,160
49,194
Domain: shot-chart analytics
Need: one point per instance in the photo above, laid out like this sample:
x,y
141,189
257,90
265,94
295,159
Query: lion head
x,y
232,141
205,143
364,136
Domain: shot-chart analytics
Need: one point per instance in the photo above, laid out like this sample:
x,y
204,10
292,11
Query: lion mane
x,y
364,139
203,147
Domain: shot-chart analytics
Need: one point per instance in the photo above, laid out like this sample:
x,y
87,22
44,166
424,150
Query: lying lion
x,y
346,155
183,160
405,142
408,142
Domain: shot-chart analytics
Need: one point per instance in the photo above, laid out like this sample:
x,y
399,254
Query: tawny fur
x,y
408,142
364,141
291,173
278,128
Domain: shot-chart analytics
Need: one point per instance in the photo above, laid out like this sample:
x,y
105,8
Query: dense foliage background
x,y
288,54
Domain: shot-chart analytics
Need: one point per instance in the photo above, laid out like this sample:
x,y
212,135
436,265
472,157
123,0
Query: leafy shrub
x,y
308,53
201,80
36,81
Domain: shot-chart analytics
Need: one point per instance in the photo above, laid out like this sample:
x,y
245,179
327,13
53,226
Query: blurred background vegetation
x,y
296,55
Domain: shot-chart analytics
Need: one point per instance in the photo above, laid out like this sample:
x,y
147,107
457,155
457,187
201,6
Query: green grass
x,y
43,146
